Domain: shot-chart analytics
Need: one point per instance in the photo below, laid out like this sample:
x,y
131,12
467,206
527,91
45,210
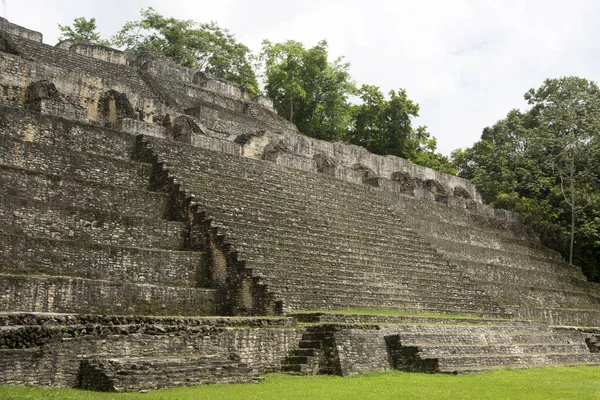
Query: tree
x,y
82,29
307,89
206,47
385,127
544,163
568,114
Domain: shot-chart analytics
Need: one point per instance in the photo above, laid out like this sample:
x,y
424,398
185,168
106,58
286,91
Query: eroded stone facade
x,y
132,188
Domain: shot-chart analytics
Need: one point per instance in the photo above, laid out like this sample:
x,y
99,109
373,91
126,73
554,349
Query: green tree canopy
x,y
307,89
385,127
82,29
206,46
545,164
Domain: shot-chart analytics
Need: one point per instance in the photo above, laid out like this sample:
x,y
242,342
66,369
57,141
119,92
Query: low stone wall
x,y
92,50
18,30
46,349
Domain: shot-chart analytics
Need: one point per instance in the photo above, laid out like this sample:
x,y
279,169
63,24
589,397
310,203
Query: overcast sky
x,y
466,63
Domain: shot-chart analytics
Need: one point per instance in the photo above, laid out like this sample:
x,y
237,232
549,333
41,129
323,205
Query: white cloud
x,y
467,63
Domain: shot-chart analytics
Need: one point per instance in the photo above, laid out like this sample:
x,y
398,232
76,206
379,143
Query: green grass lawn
x,y
538,383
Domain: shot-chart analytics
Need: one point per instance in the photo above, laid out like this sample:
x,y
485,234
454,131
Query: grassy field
x,y
539,383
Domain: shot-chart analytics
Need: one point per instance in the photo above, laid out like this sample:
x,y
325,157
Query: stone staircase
x,y
508,262
315,242
432,344
103,232
79,229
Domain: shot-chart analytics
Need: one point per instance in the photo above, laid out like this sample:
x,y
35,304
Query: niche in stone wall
x,y
113,106
246,138
272,151
182,129
43,97
200,79
368,175
40,90
324,164
437,189
6,46
405,181
462,193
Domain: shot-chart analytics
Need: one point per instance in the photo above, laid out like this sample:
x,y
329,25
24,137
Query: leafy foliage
x,y
203,46
82,29
544,164
384,127
307,89
314,94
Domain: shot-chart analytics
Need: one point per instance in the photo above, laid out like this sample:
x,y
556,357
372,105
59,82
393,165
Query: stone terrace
x,y
141,202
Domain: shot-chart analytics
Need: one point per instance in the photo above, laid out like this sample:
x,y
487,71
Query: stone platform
x,y
157,224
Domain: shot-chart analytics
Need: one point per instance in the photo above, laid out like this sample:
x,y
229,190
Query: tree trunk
x,y
572,215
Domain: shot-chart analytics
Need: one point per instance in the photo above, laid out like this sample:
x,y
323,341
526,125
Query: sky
x,y
466,63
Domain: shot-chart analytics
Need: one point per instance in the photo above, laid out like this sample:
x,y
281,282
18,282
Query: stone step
x,y
296,282
467,330
152,324
558,316
50,188
500,260
20,216
406,319
25,255
297,359
490,238
90,167
492,256
481,368
290,282
347,233
399,274
29,126
483,339
341,300
78,295
296,368
310,344
523,349
304,352
274,249
143,373
556,275
433,211
185,161
453,363
535,296
209,189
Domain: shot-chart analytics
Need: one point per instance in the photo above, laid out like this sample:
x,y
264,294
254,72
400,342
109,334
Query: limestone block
x,y
137,127
211,143
423,194
294,161
457,202
263,101
93,50
60,109
18,30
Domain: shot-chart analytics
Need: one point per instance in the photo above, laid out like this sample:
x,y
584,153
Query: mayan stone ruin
x,y
159,227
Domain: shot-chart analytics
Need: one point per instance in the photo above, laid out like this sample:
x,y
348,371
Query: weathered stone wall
x,y
17,30
47,350
157,87
94,51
